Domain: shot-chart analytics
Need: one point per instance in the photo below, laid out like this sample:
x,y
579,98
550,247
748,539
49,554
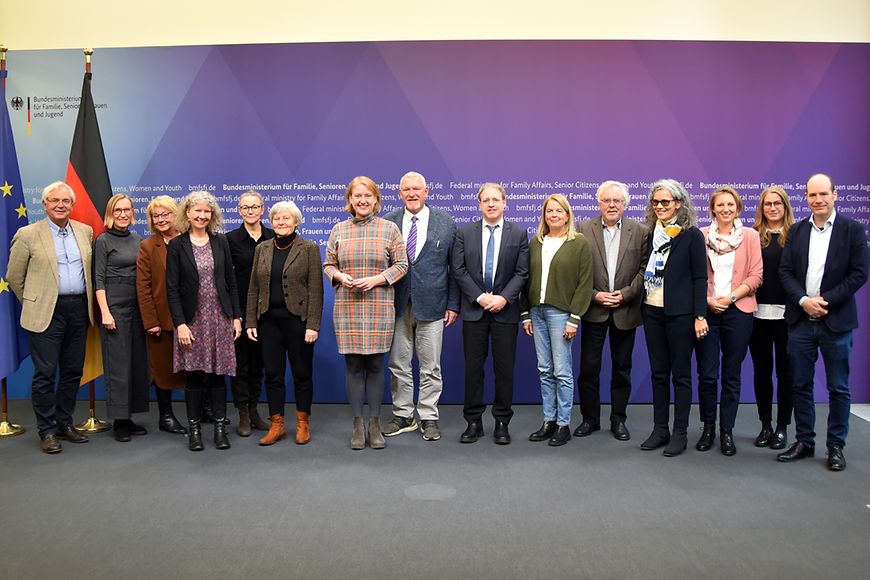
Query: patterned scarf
x,y
663,235
724,244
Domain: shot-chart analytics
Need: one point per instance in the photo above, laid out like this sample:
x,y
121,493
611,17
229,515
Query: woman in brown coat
x,y
154,307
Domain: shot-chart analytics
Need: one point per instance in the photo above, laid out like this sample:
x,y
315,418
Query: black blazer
x,y
845,272
685,274
182,278
510,274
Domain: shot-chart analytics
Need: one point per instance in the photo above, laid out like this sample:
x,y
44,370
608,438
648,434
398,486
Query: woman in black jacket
x,y
674,309
204,303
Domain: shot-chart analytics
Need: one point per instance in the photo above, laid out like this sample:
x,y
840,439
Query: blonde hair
x,y
109,216
761,224
544,228
159,201
370,185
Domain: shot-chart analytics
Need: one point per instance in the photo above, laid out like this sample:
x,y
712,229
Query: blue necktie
x,y
490,259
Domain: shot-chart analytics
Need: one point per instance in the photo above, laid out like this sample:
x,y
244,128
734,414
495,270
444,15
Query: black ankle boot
x,y
658,438
221,441
679,441
194,436
779,437
707,437
547,430
170,424
726,442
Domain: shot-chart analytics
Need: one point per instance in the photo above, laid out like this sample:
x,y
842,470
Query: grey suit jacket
x,y
429,284
630,264
32,272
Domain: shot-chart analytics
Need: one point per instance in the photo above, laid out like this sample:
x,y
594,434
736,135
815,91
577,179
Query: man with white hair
x,y
50,273
427,300
618,247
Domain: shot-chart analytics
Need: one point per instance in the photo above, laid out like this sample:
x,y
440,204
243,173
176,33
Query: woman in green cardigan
x,y
557,295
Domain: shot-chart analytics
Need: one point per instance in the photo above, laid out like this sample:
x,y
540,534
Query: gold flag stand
x,y
92,424
7,429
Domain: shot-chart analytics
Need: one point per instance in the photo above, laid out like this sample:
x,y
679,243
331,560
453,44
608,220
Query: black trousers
x,y
282,338
476,342
669,342
247,383
770,337
59,351
592,337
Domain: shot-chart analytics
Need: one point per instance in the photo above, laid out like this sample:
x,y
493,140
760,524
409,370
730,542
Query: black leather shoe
x,y
707,437
620,431
764,437
71,435
836,460
50,445
121,430
585,429
799,450
545,432
726,442
473,432
658,438
678,443
560,437
500,434
779,437
135,429
170,424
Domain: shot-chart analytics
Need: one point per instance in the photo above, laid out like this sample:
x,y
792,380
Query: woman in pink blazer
x,y
734,270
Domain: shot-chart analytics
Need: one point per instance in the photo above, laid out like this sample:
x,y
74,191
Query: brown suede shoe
x,y
276,431
303,435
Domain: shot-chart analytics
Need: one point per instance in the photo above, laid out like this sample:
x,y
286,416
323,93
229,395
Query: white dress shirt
x,y
422,228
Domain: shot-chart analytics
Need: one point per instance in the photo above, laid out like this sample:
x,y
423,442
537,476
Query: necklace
x,y
280,248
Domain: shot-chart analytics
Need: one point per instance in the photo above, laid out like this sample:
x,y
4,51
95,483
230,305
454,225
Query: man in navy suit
x,y
427,300
824,263
491,264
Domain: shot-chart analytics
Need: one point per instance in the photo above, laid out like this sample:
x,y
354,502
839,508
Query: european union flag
x,y
13,215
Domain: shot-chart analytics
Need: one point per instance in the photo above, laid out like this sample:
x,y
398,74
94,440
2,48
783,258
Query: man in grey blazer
x,y
50,273
618,247
490,261
427,300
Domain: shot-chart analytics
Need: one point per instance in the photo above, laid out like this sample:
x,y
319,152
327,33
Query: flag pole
x,y
7,429
92,424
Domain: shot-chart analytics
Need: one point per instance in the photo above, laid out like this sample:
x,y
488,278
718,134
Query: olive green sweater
x,y
569,283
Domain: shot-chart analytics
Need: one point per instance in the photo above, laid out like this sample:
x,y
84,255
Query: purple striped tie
x,y
412,240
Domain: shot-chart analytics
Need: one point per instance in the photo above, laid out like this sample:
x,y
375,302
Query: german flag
x,y
88,175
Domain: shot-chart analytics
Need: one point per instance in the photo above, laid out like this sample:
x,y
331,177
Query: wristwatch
x,y
733,299
700,318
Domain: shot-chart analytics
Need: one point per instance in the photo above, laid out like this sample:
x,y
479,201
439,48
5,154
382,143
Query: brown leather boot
x,y
244,427
256,421
276,431
303,435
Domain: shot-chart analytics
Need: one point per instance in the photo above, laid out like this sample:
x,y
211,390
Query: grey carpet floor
x,y
595,508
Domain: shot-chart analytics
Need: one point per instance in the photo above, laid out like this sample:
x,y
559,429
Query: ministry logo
x,y
17,103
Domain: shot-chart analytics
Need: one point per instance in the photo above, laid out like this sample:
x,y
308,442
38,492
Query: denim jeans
x,y
805,339
555,366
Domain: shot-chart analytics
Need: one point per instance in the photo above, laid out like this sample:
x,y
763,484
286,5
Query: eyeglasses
x,y
771,204
55,200
122,210
612,201
665,203
247,208
159,217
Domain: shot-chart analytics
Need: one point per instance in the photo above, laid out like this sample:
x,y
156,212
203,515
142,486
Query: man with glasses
x,y
248,381
618,247
823,265
427,300
50,273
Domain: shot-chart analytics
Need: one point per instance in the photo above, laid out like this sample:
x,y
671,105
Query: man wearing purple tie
x,y
427,300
